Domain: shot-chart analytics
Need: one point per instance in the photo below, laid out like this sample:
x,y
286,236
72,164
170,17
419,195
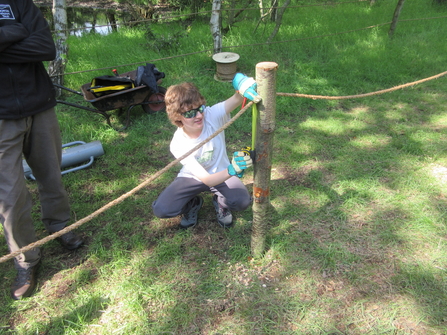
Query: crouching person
x,y
208,169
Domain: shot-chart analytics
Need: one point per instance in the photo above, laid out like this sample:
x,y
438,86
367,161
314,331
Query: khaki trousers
x,y
36,138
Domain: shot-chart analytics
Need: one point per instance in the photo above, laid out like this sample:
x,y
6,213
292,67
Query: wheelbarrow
x,y
128,98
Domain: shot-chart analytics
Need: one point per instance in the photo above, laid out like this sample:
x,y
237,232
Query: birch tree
x,y
261,8
215,25
56,67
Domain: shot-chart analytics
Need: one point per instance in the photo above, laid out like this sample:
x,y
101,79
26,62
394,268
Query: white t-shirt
x,y
213,155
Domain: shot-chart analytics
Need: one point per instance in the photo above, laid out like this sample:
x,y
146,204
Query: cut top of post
x,y
267,66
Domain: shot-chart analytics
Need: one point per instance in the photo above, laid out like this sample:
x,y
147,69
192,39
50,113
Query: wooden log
x,y
265,127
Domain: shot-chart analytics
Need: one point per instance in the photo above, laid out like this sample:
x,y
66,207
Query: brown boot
x,y
25,282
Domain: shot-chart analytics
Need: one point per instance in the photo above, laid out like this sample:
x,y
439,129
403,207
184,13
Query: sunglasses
x,y
192,113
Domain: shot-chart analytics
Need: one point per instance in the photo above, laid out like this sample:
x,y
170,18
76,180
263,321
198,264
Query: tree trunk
x,y
396,17
94,19
215,25
112,20
278,21
265,127
261,9
274,10
56,67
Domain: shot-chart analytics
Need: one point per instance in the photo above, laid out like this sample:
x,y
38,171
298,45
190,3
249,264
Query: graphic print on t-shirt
x,y
206,156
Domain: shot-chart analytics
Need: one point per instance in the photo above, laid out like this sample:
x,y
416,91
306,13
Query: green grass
x,y
357,231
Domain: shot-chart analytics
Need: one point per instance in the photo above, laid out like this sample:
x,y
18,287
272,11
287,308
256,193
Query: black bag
x,y
148,75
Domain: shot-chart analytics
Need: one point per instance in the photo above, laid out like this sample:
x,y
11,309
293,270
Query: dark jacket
x,y
25,41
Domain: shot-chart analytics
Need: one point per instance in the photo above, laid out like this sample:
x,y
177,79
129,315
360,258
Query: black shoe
x,y
70,240
25,282
189,219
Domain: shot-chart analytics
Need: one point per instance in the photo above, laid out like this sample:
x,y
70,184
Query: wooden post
x,y
265,127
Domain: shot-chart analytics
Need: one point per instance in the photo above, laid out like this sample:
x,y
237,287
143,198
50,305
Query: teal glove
x,y
239,163
246,87
232,172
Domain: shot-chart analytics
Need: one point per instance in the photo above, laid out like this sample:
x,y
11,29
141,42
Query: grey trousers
x,y
173,201
38,138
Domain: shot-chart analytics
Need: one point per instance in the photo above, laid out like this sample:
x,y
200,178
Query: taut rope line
x,y
125,195
167,167
395,88
247,45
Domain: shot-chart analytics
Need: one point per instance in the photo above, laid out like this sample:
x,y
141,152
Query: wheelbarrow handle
x,y
67,89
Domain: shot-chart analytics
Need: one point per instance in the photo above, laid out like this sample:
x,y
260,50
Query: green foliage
x,y
139,2
193,5
356,241
166,42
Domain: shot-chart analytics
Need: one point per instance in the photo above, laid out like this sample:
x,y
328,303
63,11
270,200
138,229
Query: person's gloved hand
x,y
246,87
239,163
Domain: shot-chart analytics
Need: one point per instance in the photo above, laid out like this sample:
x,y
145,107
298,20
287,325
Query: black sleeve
x,y
38,45
11,34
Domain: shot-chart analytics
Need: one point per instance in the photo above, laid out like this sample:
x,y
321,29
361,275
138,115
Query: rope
x,y
207,12
227,47
248,45
169,18
167,167
225,126
124,196
395,88
152,61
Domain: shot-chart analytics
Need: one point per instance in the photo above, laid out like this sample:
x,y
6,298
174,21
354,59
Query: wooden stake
x,y
266,80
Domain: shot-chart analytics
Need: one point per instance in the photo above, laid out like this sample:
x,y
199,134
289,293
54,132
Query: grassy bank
x,y
357,240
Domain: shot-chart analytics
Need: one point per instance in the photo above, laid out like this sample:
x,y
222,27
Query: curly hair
x,y
180,98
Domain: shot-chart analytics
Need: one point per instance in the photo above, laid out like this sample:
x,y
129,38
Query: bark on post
x,y
56,68
266,80
215,25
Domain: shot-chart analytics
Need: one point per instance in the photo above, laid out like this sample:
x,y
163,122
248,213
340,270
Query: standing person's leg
x,y
232,195
16,204
180,197
43,153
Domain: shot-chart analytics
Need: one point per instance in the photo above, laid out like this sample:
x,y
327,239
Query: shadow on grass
x,y
340,239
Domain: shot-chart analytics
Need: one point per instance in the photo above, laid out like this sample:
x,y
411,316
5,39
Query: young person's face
x,y
193,125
